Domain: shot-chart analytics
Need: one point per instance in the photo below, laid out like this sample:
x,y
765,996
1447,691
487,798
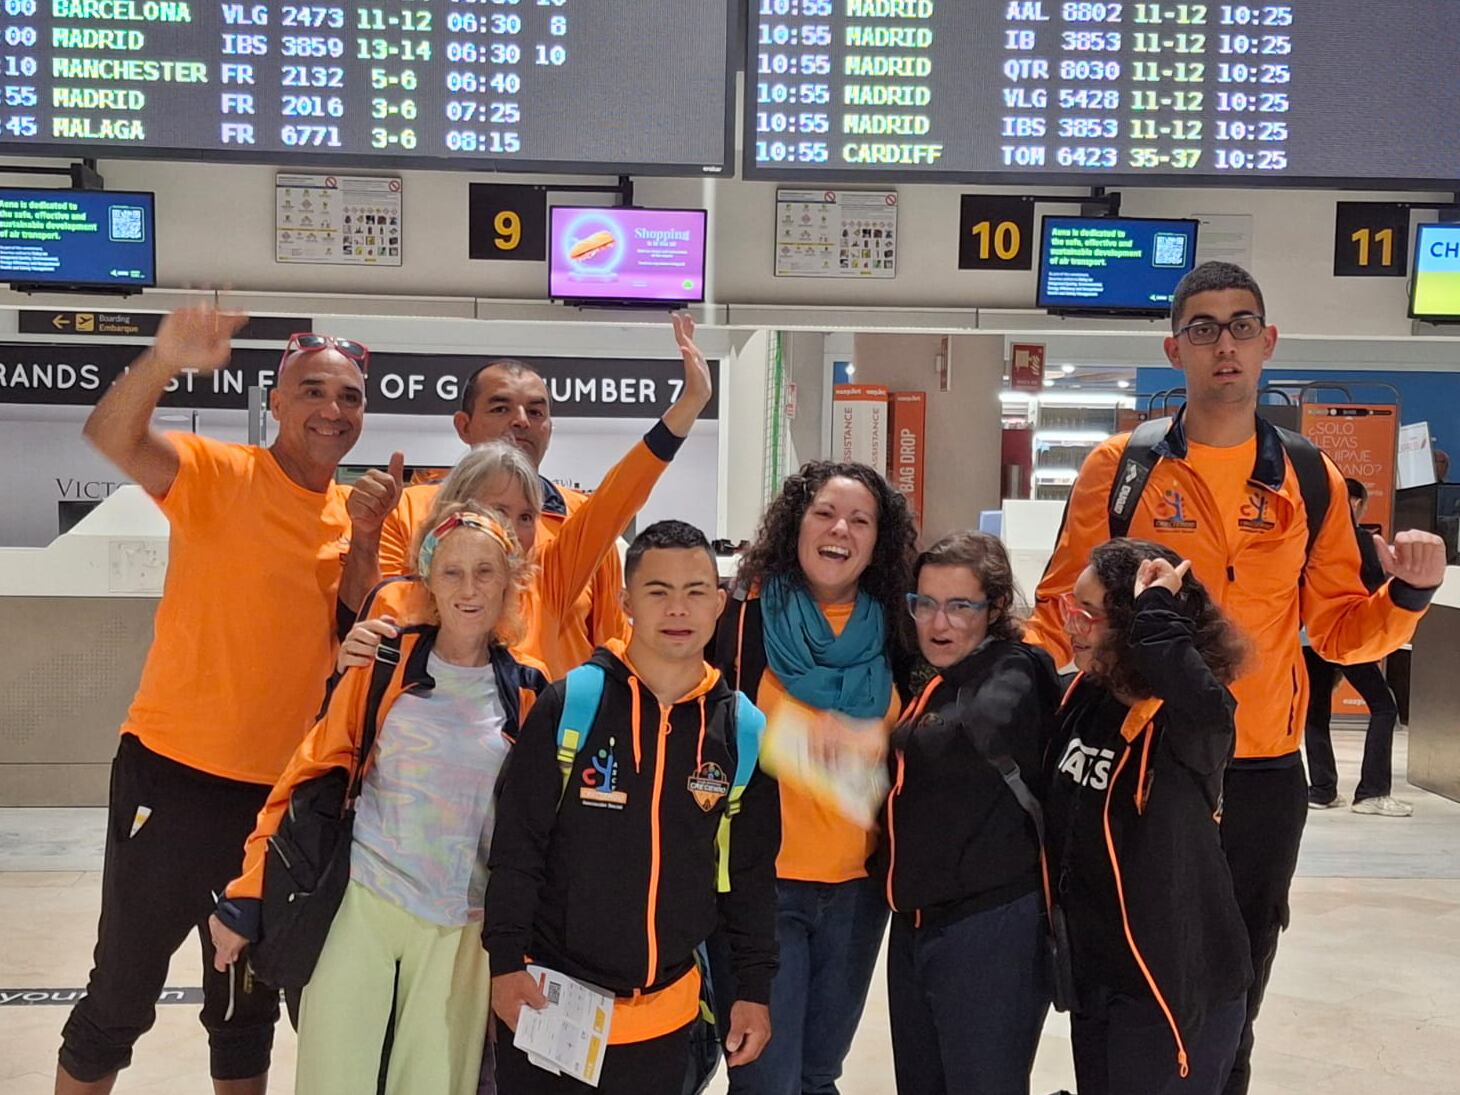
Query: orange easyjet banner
x,y
1362,439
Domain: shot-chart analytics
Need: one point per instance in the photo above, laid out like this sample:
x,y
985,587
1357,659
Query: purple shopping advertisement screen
x,y
627,255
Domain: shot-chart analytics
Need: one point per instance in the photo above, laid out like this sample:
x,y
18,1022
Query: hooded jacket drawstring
x,y
700,745
634,717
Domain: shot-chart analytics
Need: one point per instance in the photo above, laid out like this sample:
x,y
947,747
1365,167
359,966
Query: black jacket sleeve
x,y
527,811
748,910
1012,711
1162,644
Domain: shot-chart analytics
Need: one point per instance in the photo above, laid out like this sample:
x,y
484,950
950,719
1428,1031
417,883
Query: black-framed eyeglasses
x,y
308,342
961,611
1205,332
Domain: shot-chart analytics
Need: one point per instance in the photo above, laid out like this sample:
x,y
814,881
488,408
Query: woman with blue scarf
x,y
816,621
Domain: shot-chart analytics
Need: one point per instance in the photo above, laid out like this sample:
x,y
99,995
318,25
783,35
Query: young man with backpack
x,y
633,820
1262,516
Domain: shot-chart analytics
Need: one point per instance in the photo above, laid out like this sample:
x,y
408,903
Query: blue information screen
x,y
77,238
1113,264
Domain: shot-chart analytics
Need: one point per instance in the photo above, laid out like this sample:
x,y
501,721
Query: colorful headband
x,y
479,521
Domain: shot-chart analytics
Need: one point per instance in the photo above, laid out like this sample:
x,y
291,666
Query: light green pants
x,y
442,999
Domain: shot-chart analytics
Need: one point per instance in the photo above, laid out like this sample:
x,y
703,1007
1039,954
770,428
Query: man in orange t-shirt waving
x,y
243,646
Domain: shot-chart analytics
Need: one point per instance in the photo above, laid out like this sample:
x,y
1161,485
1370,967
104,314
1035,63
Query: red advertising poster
x,y
906,453
1362,439
1026,366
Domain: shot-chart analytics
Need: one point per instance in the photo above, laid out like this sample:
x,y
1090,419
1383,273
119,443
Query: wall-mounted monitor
x,y
1113,265
626,255
77,239
1434,287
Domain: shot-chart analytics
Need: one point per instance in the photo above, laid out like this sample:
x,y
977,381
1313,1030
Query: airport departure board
x,y
1321,92
603,86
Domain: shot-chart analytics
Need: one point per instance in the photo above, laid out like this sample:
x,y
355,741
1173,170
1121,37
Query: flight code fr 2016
x,y
438,76
1112,87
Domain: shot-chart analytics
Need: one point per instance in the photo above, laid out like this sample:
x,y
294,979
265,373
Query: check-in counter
x,y
77,620
1434,694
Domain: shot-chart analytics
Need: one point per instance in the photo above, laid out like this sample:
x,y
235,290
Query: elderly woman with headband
x,y
404,948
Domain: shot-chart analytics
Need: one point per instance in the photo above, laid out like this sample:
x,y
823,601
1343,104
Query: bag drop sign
x,y
424,384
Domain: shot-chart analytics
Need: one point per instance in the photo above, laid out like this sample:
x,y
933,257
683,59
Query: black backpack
x,y
1139,458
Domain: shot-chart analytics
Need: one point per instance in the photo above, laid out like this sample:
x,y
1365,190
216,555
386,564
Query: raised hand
x,y
197,338
1159,572
1415,557
695,395
374,497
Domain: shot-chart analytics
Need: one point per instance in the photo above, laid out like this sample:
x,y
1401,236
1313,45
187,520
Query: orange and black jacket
x,y
1253,564
954,839
1133,811
335,741
612,879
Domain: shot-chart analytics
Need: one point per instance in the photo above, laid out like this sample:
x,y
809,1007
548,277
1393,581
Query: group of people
x,y
555,761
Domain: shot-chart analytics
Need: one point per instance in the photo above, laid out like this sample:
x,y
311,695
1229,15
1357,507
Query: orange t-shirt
x,y
244,634
1226,472
817,843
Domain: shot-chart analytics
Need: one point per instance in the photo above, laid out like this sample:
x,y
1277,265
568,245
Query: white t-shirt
x,y
424,821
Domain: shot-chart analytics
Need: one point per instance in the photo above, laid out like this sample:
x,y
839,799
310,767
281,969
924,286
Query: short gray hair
x,y
481,466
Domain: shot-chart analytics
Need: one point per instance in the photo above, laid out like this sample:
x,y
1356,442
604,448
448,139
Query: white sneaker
x,y
1337,802
1383,806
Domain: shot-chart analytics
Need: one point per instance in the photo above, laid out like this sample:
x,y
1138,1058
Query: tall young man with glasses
x,y
242,648
1225,494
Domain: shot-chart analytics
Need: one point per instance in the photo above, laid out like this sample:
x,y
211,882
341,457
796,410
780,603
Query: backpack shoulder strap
x,y
582,694
1136,462
1313,483
749,729
382,670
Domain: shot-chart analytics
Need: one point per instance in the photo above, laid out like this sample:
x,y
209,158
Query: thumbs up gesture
x,y
374,497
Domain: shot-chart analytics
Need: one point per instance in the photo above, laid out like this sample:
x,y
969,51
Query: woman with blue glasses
x,y
959,857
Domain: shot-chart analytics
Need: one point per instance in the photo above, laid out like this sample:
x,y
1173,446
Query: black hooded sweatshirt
x,y
617,885
1134,811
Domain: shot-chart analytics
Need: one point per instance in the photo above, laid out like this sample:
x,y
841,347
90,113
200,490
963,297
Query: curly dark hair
x,y
888,576
1219,643
985,556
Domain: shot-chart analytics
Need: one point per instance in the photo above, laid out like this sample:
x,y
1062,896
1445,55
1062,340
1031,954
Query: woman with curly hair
x,y
1160,956
404,949
958,859
816,622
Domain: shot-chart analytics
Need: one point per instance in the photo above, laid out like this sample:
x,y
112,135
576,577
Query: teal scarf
x,y
829,672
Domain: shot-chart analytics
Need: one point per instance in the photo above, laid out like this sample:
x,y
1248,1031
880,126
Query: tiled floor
x,y
1365,999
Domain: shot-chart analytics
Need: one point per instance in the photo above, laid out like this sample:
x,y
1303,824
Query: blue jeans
x,y
829,935
967,1000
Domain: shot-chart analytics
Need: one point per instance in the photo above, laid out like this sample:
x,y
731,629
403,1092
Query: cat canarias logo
x,y
1254,516
600,782
1175,519
708,785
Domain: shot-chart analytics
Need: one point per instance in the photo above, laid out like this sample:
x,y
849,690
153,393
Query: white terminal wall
x,y
216,229
216,225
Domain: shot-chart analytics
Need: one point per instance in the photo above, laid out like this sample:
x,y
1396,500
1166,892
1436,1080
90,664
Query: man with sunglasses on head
x,y
242,647
1227,490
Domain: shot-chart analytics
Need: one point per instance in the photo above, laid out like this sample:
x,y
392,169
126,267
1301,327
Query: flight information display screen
x,y
640,86
1307,92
